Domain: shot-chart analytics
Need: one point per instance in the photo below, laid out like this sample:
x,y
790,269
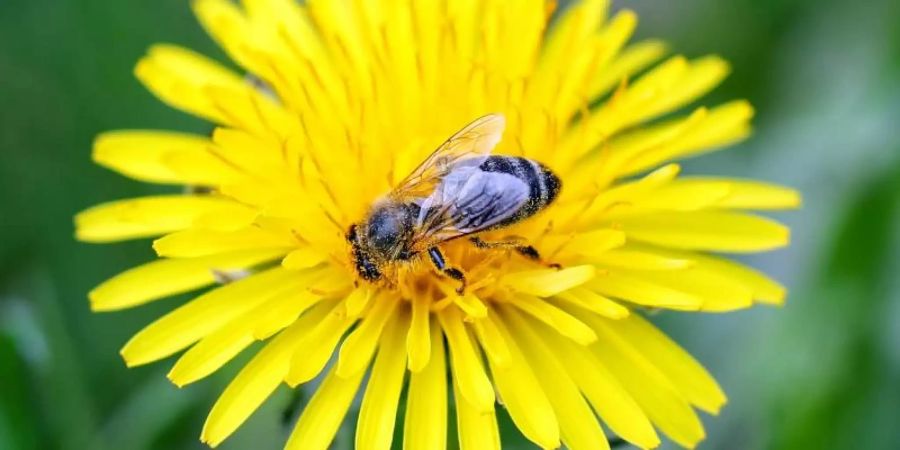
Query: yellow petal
x,y
260,156
764,288
608,397
575,26
418,344
642,292
578,425
556,318
747,194
632,258
594,302
492,341
317,346
146,155
685,196
256,381
651,389
588,59
522,394
226,24
701,133
686,374
607,161
378,412
627,106
166,277
547,282
358,300
471,305
465,361
717,293
319,230
207,356
204,169
613,35
694,193
193,243
706,230
597,241
632,60
623,195
303,258
704,74
359,346
216,349
425,426
587,243
143,217
232,217
205,314
267,11
476,428
180,78
324,413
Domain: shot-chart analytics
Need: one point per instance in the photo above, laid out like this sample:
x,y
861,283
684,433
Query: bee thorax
x,y
389,229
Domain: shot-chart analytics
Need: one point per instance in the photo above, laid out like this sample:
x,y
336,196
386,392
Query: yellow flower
x,y
353,95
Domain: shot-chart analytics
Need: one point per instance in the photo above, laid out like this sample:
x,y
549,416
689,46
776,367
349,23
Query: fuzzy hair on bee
x,y
459,191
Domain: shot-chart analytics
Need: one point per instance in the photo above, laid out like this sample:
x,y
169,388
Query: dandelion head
x,y
338,103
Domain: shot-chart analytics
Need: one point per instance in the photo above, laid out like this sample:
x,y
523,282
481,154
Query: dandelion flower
x,y
339,100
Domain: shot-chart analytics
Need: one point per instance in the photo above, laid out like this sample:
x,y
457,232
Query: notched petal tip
x,y
628,16
159,246
173,378
129,358
715,409
144,69
98,303
777,297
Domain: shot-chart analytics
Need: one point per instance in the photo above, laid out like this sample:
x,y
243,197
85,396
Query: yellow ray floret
x,y
334,104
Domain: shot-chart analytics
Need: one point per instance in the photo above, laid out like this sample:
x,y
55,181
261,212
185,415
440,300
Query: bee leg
x,y
516,244
513,243
457,275
532,254
438,260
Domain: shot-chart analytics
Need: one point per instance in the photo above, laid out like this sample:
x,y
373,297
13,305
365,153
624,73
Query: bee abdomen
x,y
543,184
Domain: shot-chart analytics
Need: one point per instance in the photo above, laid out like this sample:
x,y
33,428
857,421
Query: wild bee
x,y
459,191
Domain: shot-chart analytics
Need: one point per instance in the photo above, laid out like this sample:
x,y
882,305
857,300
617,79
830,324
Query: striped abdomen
x,y
543,185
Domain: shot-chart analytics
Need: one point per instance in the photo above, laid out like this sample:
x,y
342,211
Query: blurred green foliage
x,y
822,372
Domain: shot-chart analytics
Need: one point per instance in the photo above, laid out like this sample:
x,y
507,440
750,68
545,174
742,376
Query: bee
x,y
459,191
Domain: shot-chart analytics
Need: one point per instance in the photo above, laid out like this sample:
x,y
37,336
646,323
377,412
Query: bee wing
x,y
472,144
467,201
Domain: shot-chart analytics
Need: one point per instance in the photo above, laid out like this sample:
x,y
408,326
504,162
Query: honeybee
x,y
459,191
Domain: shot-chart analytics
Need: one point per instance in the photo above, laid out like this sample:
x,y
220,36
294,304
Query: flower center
x,y
481,267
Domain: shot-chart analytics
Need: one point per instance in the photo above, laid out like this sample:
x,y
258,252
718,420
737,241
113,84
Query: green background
x,y
823,372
